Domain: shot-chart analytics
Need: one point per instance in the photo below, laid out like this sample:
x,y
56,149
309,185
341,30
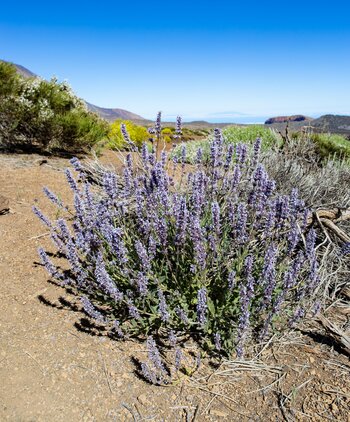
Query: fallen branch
x,y
327,218
337,335
334,214
335,229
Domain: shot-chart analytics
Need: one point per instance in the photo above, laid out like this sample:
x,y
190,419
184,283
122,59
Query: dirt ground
x,y
52,369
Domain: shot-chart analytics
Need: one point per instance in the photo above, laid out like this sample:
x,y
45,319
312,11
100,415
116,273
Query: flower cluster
x,y
213,251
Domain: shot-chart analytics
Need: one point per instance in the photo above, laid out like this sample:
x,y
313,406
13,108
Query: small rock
x,y
312,359
143,399
218,413
334,407
4,205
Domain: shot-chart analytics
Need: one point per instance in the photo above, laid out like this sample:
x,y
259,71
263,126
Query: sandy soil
x,y
52,369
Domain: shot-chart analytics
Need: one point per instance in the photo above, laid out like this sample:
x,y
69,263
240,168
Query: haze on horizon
x,y
232,62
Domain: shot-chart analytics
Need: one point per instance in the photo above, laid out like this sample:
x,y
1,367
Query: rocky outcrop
x,y
285,119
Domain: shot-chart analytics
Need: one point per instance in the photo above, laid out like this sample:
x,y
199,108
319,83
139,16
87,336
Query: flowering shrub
x,y
137,133
214,253
44,115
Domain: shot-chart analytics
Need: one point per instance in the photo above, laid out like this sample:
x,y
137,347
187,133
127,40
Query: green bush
x,y
232,135
44,115
137,133
248,134
9,79
330,145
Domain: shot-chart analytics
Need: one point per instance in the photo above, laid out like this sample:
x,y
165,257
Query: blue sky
x,y
219,61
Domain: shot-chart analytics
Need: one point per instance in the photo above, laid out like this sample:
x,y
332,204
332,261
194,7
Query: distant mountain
x,y
109,114
26,73
112,114
332,123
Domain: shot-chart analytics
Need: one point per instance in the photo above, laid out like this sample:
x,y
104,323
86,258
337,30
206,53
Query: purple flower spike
x,y
202,306
241,223
105,282
142,284
182,315
256,149
133,311
178,128
158,124
163,309
215,212
241,153
236,177
143,256
50,267
217,341
126,137
78,167
91,311
232,280
154,355
53,198
310,242
149,375
117,329
42,217
229,155
199,156
71,181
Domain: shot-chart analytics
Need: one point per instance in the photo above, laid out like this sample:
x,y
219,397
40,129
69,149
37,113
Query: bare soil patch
x,y
55,367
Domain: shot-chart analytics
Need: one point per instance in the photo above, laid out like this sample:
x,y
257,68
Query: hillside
x,y
112,114
109,114
328,123
333,124
26,73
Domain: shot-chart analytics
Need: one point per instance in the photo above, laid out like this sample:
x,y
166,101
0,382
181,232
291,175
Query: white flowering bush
x,y
44,115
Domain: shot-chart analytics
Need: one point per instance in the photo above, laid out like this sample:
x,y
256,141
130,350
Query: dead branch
x,y
335,229
339,336
334,214
328,218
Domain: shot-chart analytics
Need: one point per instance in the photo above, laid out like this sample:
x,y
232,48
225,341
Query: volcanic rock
x,y
285,119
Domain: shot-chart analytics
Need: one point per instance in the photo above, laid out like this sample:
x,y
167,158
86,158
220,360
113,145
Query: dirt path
x,y
48,369
52,371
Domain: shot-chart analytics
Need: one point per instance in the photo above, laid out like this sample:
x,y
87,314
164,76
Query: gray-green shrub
x,y
231,135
